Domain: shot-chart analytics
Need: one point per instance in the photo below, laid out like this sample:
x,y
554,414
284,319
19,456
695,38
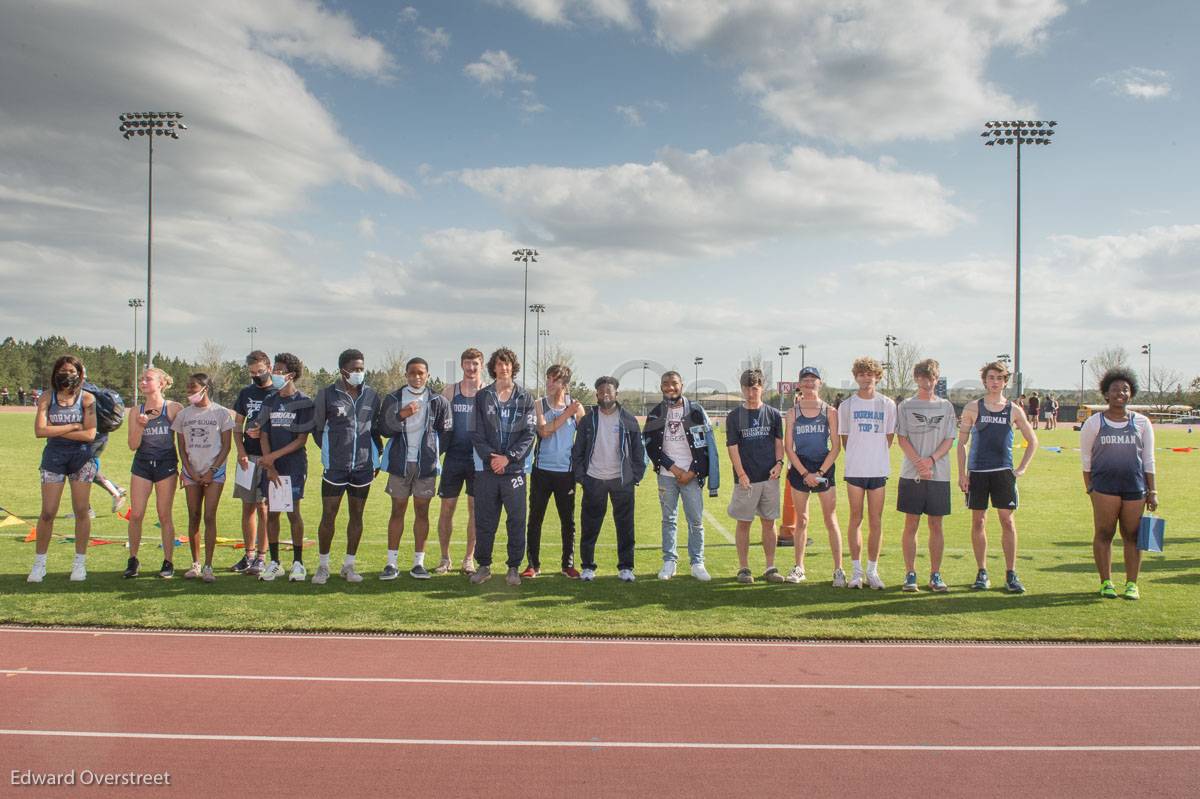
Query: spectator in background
x,y
4,395
1032,406
21,396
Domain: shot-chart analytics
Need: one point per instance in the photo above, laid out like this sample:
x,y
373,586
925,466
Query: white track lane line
x,y
1190,648
720,528
597,744
24,672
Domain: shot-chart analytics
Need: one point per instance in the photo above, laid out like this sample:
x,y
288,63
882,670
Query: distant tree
x,y
1106,359
388,375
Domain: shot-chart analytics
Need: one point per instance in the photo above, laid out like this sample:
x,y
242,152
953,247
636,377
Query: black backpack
x,y
110,408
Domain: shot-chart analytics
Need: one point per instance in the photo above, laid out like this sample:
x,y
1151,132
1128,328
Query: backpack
x,y
110,408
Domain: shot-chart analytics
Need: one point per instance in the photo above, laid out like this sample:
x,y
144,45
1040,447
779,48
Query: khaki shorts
x,y
760,499
403,486
255,494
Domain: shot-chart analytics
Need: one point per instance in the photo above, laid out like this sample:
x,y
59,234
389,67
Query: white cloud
x,y
530,103
632,117
496,68
434,43
1138,82
862,70
700,202
366,227
563,12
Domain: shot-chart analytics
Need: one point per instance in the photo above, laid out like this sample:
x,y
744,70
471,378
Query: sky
x,y
700,177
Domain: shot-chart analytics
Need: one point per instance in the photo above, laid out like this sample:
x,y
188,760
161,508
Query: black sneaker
x,y
1012,584
131,568
982,583
167,571
419,572
241,566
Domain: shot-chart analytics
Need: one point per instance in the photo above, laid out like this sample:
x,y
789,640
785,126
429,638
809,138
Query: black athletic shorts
x,y
357,484
154,470
998,487
923,497
797,482
457,471
866,483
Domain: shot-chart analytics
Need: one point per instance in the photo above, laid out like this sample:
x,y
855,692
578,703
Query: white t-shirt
x,y
606,455
866,425
414,425
675,442
201,430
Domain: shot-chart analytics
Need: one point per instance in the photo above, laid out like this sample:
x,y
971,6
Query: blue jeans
x,y
669,494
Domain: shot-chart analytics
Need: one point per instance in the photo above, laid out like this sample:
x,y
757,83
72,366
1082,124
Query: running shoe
x,y
839,578
468,566
481,575
796,575
419,572
910,583
298,573
772,575
875,581
625,575
322,575
206,574
587,575
530,572
667,571
37,573
1012,584
982,583
1107,590
131,568
167,570
937,584
571,572
78,573
1131,591
700,573
390,572
192,573
272,571
856,580
256,567
443,566
349,574
241,566
745,577
513,577
118,500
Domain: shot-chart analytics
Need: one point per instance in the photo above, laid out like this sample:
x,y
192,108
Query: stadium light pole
x,y
536,308
1018,132
151,124
252,330
802,349
1082,361
888,341
696,362
1149,371
542,334
645,366
525,254
783,353
135,303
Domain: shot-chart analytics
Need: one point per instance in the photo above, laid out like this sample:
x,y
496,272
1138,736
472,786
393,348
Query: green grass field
x,y
1055,563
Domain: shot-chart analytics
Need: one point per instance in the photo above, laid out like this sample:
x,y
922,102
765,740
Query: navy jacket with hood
x,y
486,437
633,452
438,424
344,428
705,458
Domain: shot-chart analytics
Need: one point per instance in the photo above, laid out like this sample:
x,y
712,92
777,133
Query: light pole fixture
x,y
783,353
802,347
696,362
537,308
1082,361
525,254
135,303
888,342
151,125
546,335
1149,371
252,330
645,366
1018,132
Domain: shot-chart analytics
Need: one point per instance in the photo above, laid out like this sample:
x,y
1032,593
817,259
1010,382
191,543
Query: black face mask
x,y
65,382
263,379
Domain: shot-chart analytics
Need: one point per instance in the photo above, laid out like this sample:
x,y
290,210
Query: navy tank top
x,y
1117,458
463,410
810,435
157,441
65,414
991,440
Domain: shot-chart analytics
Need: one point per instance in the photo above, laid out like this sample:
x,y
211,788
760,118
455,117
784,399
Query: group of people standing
x,y
491,440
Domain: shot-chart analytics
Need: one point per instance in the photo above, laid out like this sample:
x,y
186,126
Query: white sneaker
x,y
78,573
118,500
856,580
625,575
349,575
700,573
321,576
272,571
587,575
37,573
299,573
796,575
667,571
874,581
206,574
839,578
192,573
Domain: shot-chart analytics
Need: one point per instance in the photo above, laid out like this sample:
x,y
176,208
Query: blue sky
x,y
714,178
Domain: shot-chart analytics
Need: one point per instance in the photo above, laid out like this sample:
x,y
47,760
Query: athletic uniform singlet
x,y
1117,466
810,436
158,442
463,410
554,453
991,440
62,455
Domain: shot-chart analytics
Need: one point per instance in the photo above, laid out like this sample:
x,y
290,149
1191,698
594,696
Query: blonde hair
x,y
165,381
867,365
928,368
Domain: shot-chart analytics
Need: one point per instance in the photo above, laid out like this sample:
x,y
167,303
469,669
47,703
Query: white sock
x,y
39,560
79,559
393,555
349,561
872,567
418,558
323,560
856,565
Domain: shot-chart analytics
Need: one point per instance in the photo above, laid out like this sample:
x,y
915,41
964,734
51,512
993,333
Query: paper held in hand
x,y
245,477
279,497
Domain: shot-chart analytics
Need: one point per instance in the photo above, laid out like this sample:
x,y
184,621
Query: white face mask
x,y
355,378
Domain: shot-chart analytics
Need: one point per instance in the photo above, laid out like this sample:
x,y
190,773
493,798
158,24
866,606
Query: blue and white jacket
x,y
492,437
705,462
344,428
438,424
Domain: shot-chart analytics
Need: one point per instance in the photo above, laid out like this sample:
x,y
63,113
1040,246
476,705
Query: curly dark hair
x,y
506,355
1119,373
291,363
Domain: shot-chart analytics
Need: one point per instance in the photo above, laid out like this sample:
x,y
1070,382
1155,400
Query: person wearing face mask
x,y
66,418
680,444
254,506
609,460
155,467
283,423
204,431
344,428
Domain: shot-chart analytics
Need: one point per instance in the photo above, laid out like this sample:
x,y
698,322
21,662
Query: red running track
x,y
303,715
